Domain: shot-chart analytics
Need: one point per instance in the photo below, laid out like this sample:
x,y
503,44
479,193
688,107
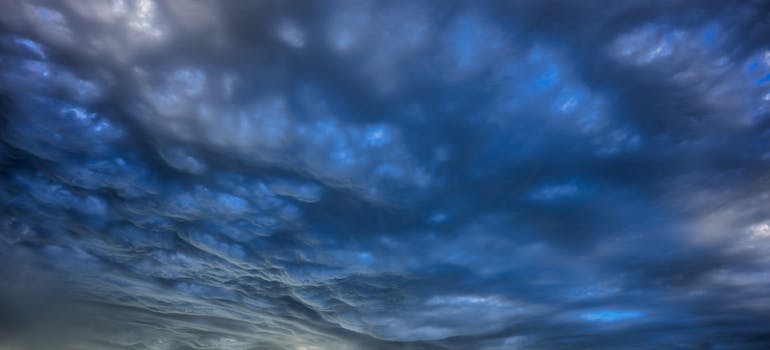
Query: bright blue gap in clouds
x,y
611,315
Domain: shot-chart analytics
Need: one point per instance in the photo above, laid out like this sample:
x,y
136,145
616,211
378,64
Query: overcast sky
x,y
322,175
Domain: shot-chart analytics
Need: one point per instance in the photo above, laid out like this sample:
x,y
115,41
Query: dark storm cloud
x,y
401,175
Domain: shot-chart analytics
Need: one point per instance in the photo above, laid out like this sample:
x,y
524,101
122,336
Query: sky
x,y
344,175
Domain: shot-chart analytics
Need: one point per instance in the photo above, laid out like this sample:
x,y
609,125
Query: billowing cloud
x,y
392,175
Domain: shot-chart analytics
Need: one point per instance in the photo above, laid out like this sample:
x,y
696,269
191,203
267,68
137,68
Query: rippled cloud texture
x,y
384,175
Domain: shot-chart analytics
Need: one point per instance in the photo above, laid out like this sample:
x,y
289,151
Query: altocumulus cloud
x,y
384,175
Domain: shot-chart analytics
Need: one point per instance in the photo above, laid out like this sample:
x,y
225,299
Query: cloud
x,y
406,175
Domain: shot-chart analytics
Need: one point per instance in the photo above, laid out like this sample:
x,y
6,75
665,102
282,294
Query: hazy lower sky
x,y
344,175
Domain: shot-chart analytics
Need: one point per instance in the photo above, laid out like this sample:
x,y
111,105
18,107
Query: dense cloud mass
x,y
319,175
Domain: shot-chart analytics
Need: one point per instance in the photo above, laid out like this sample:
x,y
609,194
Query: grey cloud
x,y
405,175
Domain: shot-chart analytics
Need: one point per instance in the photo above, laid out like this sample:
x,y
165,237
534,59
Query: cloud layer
x,y
384,175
